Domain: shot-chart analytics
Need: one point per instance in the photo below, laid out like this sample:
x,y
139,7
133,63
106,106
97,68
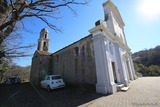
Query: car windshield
x,y
56,77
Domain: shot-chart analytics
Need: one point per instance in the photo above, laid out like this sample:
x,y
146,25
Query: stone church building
x,y
102,58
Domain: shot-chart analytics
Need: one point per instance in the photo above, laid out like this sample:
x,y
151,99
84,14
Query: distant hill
x,y
147,57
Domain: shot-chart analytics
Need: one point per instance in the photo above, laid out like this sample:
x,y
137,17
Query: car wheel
x,y
48,88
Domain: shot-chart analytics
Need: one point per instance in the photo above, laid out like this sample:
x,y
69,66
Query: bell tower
x,y
43,41
114,20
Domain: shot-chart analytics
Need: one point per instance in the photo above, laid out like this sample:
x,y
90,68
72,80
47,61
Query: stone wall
x,y
76,62
41,66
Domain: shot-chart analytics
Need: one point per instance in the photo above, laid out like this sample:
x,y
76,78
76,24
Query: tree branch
x,y
13,11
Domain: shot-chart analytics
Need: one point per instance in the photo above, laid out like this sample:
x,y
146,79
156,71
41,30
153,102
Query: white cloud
x,y
149,9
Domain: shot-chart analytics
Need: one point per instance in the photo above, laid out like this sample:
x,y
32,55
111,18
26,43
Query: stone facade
x,y
102,59
41,65
76,62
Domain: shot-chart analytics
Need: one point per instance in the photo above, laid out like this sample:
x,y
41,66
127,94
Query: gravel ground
x,y
24,95
143,92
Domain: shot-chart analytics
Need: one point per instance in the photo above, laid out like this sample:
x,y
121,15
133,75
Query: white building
x,y
112,54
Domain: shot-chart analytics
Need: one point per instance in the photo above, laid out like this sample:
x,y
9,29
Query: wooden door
x,y
114,72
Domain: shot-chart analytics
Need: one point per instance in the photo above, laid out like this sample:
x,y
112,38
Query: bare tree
x,y
13,11
13,46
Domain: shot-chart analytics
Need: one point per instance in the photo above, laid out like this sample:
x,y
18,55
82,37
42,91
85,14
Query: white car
x,y
52,82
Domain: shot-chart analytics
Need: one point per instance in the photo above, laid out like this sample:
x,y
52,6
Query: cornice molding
x,y
106,32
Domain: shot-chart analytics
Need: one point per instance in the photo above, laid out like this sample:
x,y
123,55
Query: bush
x,y
153,70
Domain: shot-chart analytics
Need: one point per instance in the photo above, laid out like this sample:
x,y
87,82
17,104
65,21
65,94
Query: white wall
x,y
114,25
105,81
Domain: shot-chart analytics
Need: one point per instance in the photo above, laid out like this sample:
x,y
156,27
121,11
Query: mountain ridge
x,y
147,57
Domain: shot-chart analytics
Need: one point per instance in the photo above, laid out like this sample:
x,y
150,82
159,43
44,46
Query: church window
x,y
45,36
76,51
44,44
83,52
57,58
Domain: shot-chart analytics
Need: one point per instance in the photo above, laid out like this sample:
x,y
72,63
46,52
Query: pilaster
x,y
119,63
133,70
105,81
130,68
124,67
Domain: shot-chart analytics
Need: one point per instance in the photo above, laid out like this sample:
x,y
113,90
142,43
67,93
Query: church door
x,y
114,72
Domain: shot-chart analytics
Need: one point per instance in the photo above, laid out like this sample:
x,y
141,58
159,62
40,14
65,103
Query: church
x,y
102,59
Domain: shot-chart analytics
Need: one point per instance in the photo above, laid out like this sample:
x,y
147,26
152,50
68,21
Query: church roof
x,y
71,44
44,30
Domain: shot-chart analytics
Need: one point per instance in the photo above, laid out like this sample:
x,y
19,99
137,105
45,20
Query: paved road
x,y
143,92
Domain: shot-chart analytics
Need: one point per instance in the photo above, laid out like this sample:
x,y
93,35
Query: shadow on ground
x,y
24,95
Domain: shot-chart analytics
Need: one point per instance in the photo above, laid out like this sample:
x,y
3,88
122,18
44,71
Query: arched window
x,y
57,58
45,35
83,52
76,51
45,48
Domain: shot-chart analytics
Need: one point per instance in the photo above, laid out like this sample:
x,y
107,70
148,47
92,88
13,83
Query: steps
x,y
121,87
124,88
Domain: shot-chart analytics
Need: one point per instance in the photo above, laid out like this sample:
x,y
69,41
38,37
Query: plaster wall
x,y
76,67
40,68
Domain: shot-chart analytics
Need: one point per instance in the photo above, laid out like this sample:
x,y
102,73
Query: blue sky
x,y
141,19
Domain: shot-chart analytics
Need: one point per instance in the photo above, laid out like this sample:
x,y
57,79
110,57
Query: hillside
x,y
147,57
147,62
